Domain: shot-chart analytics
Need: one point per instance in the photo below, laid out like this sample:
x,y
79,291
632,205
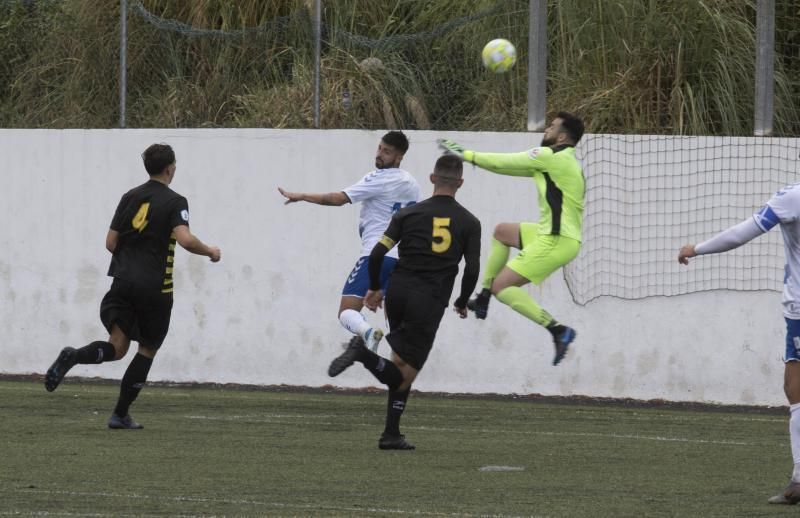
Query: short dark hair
x,y
572,124
158,157
397,140
448,169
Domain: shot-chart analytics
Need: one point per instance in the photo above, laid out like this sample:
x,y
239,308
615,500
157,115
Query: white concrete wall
x,y
267,313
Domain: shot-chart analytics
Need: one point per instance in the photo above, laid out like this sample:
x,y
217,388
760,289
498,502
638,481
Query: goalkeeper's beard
x,y
547,142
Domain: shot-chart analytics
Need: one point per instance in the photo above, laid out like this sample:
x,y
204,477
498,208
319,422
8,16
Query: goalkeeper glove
x,y
450,146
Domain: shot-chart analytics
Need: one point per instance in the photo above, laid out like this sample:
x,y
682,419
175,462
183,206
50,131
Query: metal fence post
x,y
317,58
123,65
765,68
537,65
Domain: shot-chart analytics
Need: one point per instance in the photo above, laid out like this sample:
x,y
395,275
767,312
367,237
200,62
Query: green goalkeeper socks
x,y
518,300
498,257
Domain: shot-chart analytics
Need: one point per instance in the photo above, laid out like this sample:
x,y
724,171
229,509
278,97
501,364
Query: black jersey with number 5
x,y
433,236
145,250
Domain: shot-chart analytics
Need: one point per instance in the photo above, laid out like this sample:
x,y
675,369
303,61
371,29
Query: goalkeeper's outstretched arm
x,y
511,164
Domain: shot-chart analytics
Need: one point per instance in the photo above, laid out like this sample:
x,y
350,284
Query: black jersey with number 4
x,y
145,251
433,236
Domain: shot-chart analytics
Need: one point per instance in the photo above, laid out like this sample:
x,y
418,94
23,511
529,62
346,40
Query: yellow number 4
x,y
140,219
440,230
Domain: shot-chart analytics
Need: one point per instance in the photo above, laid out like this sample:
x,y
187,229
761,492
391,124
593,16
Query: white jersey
x,y
381,193
784,209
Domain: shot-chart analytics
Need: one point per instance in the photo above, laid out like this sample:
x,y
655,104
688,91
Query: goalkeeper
x,y
545,245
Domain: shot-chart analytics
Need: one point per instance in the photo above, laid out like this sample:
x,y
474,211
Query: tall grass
x,y
627,66
673,67
61,62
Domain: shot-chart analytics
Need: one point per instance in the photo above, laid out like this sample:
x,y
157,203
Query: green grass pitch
x,y
228,452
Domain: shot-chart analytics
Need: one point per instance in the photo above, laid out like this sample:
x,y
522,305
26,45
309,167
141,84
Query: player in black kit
x,y
149,220
433,236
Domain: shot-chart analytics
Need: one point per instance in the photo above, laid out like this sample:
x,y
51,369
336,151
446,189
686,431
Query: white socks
x,y
355,322
794,439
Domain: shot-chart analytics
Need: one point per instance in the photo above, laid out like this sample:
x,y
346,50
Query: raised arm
x,y
511,164
329,198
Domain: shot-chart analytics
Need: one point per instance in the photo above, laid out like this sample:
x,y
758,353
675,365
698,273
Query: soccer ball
x,y
499,55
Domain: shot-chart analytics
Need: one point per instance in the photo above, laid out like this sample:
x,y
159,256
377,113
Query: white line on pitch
x,y
60,513
265,416
228,501
270,419
586,412
590,434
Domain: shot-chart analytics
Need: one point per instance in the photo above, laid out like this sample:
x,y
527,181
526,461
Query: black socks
x,y
394,410
384,370
96,352
556,329
387,373
132,382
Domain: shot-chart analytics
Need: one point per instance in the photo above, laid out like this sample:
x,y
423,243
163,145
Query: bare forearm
x,y
328,198
192,244
195,246
333,199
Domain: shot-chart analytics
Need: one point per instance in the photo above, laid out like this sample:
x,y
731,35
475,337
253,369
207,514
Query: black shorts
x,y
142,315
414,318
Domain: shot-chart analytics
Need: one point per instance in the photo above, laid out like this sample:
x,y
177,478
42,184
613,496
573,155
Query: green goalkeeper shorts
x,y
542,254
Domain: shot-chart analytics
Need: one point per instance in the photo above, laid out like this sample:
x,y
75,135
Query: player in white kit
x,y
381,193
782,209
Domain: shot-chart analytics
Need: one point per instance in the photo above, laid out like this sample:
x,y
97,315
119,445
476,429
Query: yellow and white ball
x,y
499,55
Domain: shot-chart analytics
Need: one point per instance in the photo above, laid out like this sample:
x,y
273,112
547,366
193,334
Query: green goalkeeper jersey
x,y
559,180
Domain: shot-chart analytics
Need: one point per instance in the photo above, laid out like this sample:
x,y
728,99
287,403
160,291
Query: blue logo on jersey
x,y
372,175
786,189
397,206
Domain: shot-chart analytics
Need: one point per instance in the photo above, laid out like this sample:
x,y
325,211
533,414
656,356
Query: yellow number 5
x,y
440,230
140,219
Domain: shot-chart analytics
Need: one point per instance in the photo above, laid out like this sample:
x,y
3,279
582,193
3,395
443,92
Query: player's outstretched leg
x,y
789,496
67,359
480,304
116,422
518,300
355,322
353,352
